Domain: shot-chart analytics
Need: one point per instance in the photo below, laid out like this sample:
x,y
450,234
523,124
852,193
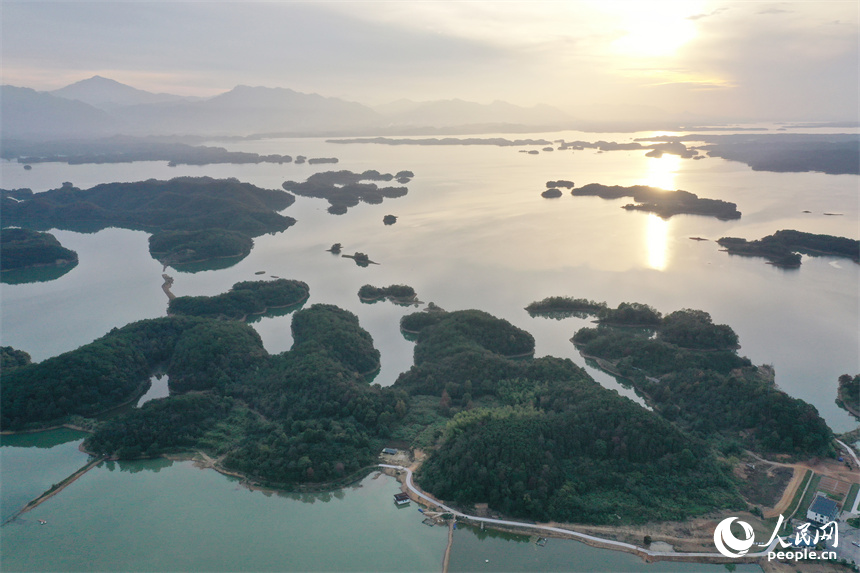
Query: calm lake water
x,y
159,515
474,232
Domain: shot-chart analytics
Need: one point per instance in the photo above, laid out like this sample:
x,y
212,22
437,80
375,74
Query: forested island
x,y
398,294
26,249
243,300
663,203
559,307
534,438
345,189
192,218
125,149
783,248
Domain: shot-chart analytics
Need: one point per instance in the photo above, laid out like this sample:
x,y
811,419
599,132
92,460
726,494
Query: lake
x,y
474,232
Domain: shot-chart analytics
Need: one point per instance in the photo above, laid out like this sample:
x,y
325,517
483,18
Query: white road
x,y
606,542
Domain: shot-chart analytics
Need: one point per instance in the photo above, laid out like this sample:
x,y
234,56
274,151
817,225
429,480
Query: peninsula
x,y
26,249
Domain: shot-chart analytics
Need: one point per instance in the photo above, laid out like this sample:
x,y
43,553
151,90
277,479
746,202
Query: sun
x,y
654,29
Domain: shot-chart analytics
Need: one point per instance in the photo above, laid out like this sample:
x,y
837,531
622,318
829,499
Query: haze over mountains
x,y
100,106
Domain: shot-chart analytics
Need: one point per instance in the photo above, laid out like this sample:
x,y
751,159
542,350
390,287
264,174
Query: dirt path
x,y
788,494
448,549
54,491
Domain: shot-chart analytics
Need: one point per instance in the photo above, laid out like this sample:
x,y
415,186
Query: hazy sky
x,y
744,59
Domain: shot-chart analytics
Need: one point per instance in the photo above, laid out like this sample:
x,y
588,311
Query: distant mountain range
x,y
99,106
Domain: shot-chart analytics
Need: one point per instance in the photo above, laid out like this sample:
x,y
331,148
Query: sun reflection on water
x,y
657,242
662,171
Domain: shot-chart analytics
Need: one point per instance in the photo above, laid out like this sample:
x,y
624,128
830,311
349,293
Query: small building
x,y
389,451
401,498
822,510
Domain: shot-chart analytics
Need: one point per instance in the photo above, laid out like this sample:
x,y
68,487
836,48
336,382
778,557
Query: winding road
x,y
609,543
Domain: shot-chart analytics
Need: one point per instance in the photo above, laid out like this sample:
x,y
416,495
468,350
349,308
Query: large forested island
x,y
533,438
783,248
663,203
24,249
192,218
345,189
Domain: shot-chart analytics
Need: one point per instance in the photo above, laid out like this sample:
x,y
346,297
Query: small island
x,y
398,294
551,193
783,248
243,300
191,218
335,249
345,189
389,220
23,249
663,203
559,307
361,259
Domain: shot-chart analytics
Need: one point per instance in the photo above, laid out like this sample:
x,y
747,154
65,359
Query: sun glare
x,y
657,242
662,172
654,29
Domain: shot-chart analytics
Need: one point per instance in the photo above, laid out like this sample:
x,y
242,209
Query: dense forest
x,y
663,203
692,375
534,438
345,189
783,248
191,218
183,247
23,248
538,438
848,394
244,299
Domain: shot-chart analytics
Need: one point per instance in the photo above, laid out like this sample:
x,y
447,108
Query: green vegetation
x,y
539,438
693,377
216,217
344,189
307,415
92,379
399,294
559,307
663,203
630,314
783,247
11,358
23,248
848,394
850,498
176,248
798,494
243,300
